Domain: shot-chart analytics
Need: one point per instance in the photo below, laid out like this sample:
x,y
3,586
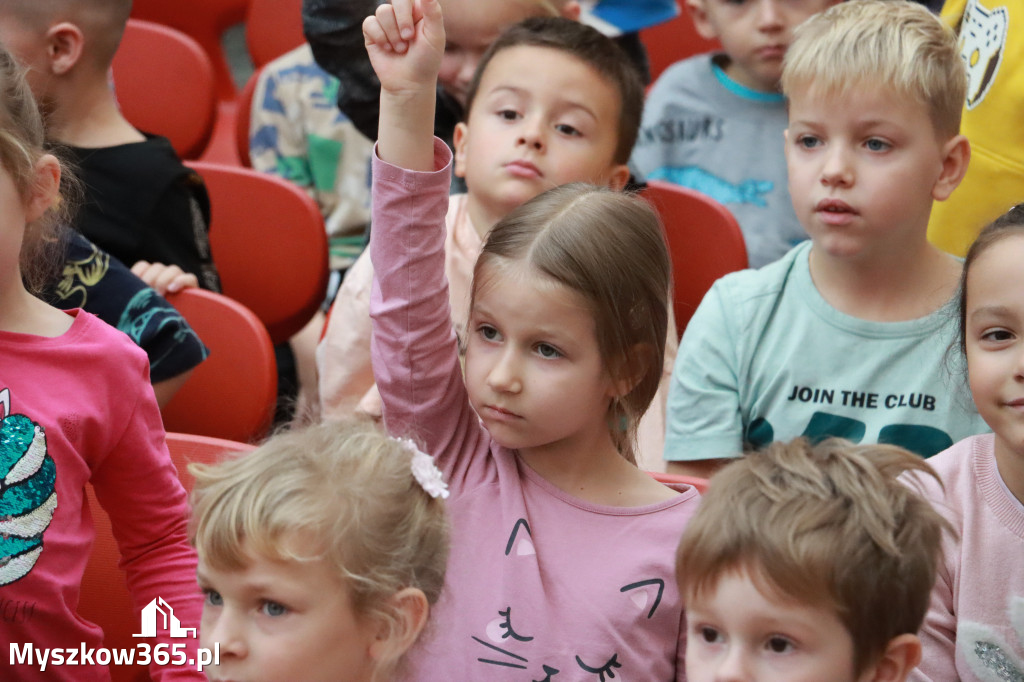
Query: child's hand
x,y
166,279
405,42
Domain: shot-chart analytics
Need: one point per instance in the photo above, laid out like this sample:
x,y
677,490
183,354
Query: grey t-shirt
x,y
704,131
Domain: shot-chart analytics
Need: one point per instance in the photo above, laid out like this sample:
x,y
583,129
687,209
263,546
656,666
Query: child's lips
x,y
523,169
834,211
500,413
772,52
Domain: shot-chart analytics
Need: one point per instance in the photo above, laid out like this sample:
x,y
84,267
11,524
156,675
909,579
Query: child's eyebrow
x,y
523,92
991,311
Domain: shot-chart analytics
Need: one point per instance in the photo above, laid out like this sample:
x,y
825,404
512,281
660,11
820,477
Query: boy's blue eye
x,y
808,141
213,597
272,608
877,145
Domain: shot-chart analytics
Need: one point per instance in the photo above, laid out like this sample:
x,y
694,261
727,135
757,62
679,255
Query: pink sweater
x,y
77,410
975,624
540,585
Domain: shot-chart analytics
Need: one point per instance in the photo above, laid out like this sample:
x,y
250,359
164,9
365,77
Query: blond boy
x,y
553,102
847,334
809,563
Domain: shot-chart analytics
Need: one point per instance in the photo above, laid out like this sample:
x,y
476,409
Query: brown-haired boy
x,y
809,563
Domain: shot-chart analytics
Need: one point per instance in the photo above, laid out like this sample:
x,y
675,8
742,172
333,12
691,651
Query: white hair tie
x,y
425,471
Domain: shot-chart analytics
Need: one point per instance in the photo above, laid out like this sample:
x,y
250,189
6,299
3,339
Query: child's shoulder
x,y
96,339
141,162
763,285
701,82
957,465
697,68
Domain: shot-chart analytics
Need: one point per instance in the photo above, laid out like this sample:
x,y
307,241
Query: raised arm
x,y
405,42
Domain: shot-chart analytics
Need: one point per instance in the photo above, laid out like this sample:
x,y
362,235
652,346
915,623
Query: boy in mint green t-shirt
x,y
846,335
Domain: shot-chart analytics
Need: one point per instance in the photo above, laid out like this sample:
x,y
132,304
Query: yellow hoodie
x,y
993,50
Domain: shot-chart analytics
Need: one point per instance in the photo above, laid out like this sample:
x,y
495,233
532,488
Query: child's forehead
x,y
749,578
862,98
521,67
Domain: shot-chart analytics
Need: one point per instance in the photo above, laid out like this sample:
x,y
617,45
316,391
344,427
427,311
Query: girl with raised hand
x,y
561,565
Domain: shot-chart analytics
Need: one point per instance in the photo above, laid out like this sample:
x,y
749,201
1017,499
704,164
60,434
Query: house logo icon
x,y
158,607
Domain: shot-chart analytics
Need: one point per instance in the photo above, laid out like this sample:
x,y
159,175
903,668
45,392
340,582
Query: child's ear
x,y
956,154
409,611
45,190
64,45
459,142
900,657
700,19
618,177
571,10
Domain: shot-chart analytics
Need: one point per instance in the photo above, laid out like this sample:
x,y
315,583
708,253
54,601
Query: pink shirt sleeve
x,y
137,485
414,351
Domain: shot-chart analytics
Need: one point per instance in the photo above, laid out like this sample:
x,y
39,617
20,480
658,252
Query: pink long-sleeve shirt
x,y
78,410
540,585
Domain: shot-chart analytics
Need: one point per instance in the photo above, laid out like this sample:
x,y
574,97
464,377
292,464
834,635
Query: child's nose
x,y
531,134
1018,370
504,375
228,630
733,667
837,171
768,14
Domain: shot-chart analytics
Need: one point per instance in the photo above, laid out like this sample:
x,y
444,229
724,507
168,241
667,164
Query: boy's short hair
x,y
594,49
102,22
828,525
345,489
898,43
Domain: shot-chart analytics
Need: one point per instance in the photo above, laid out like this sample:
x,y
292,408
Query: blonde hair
x,y
344,484
897,43
607,247
21,147
825,524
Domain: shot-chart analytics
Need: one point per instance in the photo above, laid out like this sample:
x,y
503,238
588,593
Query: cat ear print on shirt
x,y
524,546
641,593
